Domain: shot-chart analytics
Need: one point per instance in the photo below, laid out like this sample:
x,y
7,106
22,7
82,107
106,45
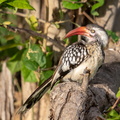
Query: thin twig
x,y
115,104
21,15
39,20
46,69
88,17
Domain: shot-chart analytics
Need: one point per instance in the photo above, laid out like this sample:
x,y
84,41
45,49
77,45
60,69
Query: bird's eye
x,y
92,31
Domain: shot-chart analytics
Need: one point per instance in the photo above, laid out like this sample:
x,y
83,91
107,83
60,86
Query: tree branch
x,y
35,34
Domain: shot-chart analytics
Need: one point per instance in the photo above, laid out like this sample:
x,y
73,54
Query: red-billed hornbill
x,y
87,53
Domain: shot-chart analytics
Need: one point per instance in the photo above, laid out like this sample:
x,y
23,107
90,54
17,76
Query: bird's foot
x,y
87,71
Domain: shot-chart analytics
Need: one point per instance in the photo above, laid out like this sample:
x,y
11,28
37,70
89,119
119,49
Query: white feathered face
x,y
91,33
98,33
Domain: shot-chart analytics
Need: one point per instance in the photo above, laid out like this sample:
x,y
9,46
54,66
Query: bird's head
x,y
91,33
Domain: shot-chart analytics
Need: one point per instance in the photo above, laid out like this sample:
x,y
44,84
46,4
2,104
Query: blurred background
x,y
28,56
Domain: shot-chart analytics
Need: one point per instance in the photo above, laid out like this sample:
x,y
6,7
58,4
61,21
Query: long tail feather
x,y
35,96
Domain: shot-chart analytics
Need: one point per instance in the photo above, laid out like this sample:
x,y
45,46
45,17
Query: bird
x,y
86,53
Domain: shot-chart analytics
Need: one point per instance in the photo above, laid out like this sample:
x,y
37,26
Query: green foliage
x,y
1,1
28,75
14,63
72,4
9,43
32,21
113,115
76,4
9,46
12,4
32,59
34,54
95,6
118,93
3,36
28,59
49,54
113,35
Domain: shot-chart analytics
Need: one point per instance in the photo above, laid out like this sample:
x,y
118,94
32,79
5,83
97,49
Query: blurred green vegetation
x,y
15,4
93,5
113,115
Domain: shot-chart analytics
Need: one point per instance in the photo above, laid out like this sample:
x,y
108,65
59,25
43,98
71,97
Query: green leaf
x,y
45,75
48,59
95,13
32,21
1,1
31,65
6,23
14,64
57,25
118,94
113,113
28,75
17,56
72,4
21,4
34,54
96,6
113,35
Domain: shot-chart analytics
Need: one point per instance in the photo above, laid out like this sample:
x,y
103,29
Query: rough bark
x,y
64,101
70,102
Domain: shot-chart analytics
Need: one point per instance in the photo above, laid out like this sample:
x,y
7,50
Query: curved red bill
x,y
78,31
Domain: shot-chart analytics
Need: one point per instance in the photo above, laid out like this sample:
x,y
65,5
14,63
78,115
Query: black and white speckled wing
x,y
72,57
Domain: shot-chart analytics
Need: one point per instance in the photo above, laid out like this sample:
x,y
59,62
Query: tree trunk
x,y
6,94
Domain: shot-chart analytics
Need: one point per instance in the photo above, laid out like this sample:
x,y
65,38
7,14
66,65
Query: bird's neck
x,y
86,41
